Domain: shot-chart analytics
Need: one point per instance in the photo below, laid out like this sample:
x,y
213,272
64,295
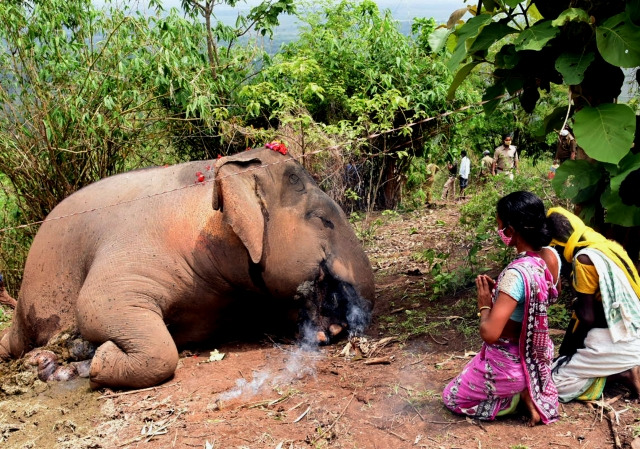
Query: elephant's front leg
x,y
137,350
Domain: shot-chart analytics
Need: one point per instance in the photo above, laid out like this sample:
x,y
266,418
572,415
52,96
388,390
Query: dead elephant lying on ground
x,y
147,261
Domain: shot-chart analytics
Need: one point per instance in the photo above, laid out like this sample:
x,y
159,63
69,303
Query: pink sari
x,y
494,378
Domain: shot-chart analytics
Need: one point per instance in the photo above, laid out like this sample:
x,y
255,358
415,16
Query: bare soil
x,y
382,391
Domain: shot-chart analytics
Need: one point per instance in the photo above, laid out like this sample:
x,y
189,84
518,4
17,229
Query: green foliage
x,y
540,43
364,228
559,316
88,92
352,74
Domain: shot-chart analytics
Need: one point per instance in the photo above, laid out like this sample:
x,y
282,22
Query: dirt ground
x,y
382,391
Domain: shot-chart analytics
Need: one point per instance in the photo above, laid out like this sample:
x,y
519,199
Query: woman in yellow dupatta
x,y
603,338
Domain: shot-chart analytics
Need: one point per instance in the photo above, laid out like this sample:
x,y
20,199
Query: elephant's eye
x,y
325,222
294,180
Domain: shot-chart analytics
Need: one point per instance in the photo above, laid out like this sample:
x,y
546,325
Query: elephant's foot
x,y
112,367
49,368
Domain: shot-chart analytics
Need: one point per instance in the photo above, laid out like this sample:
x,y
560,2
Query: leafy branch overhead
x,y
578,44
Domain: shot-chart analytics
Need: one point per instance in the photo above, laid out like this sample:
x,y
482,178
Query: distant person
x,y
432,169
465,170
505,158
514,364
486,165
566,149
449,188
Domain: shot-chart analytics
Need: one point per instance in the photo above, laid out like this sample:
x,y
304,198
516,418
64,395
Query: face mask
x,y
506,240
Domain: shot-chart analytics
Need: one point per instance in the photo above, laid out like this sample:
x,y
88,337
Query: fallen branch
x,y
378,361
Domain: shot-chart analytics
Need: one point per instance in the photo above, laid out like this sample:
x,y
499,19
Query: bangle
x,y
482,308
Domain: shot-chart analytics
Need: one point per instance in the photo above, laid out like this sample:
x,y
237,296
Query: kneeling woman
x,y
515,360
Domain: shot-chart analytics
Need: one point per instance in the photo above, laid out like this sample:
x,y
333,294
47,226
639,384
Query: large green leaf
x,y
577,180
489,35
605,132
536,37
571,15
438,39
489,5
573,65
512,3
618,41
553,122
490,95
466,35
618,212
621,198
507,57
459,78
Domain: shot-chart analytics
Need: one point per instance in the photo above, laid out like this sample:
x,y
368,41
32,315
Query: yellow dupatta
x,y
592,239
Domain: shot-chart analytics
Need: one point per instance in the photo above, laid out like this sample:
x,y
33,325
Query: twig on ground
x,y
555,443
378,361
389,431
397,435
614,432
336,420
124,393
417,361
415,408
476,422
302,415
446,342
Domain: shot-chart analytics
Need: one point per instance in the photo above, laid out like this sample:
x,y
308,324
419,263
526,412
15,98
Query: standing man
x,y
505,158
486,165
450,185
566,147
465,169
432,169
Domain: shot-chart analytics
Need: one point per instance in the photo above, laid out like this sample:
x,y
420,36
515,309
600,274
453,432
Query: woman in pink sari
x,y
515,360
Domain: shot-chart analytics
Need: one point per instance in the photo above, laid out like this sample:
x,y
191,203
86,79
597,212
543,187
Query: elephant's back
x,y
125,189
102,220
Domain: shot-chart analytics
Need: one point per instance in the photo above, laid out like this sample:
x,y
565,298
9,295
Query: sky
x,y
402,10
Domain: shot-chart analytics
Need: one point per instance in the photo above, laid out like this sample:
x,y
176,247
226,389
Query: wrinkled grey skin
x,y
139,272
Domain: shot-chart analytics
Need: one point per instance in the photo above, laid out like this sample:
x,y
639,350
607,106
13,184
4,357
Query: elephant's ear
x,y
235,194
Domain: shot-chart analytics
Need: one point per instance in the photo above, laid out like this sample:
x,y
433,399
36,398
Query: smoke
x,y
358,320
358,311
323,302
301,363
244,387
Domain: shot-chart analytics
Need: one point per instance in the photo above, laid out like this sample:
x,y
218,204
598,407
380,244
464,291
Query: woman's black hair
x,y
504,136
560,227
525,213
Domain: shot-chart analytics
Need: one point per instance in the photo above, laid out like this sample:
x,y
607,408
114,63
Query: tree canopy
x,y
583,46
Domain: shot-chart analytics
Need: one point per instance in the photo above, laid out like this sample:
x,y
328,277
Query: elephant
x,y
144,262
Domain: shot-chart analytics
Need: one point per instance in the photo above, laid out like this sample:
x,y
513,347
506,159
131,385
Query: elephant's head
x,y
299,241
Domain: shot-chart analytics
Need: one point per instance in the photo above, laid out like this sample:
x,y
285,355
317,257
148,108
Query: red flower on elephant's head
x,y
277,146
